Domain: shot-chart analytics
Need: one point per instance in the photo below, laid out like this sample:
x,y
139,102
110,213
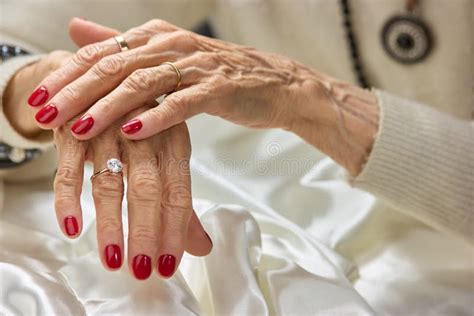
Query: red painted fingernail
x,y
166,265
142,267
113,256
71,226
132,126
38,97
47,114
83,125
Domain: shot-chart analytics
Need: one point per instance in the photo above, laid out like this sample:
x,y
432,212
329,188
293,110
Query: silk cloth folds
x,y
291,237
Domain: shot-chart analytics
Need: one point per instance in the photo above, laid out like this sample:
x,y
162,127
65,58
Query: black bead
x,y
405,41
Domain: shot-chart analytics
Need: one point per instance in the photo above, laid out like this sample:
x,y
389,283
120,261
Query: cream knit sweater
x,y
422,162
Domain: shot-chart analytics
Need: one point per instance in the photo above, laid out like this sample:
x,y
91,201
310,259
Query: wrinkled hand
x,y
20,86
161,219
162,223
237,83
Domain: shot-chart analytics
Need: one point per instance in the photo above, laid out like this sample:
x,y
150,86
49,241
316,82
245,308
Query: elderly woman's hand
x,y
237,83
162,223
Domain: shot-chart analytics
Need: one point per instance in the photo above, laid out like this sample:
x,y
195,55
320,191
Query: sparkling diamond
x,y
114,165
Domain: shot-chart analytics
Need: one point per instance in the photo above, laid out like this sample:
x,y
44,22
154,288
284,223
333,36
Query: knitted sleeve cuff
x,y
422,163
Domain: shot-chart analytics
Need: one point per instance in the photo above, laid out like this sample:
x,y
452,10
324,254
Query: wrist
x,y
19,115
339,119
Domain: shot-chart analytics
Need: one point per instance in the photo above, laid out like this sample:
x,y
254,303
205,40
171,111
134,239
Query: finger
x,y
144,200
142,86
198,242
107,190
89,55
103,77
175,109
176,200
84,32
68,182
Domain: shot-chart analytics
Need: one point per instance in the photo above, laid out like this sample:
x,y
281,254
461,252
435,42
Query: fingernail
x,y
82,18
47,114
132,126
166,265
113,256
38,97
83,125
71,226
141,267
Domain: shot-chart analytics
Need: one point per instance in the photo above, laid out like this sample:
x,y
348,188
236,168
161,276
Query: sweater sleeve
x,y
422,163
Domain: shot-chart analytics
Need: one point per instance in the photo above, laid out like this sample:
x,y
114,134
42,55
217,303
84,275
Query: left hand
x,y
238,83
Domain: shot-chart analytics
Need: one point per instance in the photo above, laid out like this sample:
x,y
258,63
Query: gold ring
x,y
113,166
122,43
178,73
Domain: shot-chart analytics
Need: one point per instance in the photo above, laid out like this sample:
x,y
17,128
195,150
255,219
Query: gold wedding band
x,y
121,43
178,74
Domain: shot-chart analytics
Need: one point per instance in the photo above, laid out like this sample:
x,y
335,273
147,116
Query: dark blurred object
x,y
205,29
8,51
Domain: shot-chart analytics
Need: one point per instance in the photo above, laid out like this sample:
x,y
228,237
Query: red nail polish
x,y
71,226
113,256
142,267
132,126
38,97
83,125
166,265
47,114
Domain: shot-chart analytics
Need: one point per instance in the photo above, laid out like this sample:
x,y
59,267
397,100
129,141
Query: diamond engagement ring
x,y
113,166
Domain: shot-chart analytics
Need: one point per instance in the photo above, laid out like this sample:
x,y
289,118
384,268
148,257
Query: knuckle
x,y
141,80
144,187
70,94
88,55
108,224
177,106
157,23
109,66
177,197
66,176
184,36
107,186
144,234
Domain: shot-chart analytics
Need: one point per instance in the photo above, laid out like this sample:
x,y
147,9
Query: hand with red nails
x,y
162,223
237,83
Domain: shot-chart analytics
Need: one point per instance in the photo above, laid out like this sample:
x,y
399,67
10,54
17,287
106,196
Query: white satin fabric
x,y
291,237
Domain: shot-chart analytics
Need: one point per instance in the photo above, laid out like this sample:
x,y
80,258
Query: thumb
x,y
84,32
